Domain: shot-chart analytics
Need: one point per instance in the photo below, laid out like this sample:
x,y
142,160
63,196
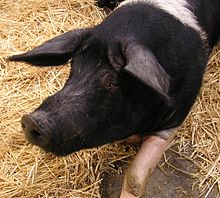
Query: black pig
x,y
138,72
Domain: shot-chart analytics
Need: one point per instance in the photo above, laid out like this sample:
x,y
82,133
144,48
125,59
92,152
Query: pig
x,y
136,74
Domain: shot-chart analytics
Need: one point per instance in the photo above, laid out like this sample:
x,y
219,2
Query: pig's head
x,y
105,97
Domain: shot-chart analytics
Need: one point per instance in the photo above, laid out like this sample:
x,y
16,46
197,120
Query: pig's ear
x,y
54,52
142,64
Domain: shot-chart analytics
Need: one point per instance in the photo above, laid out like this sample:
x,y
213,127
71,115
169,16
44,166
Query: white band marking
x,y
177,8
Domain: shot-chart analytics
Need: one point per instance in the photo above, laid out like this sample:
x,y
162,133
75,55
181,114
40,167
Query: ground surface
x,y
165,182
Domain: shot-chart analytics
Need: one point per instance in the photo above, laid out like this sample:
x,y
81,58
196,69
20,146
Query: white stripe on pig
x,y
177,8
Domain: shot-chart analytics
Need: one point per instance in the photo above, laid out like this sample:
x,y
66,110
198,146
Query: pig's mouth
x,y
42,130
64,148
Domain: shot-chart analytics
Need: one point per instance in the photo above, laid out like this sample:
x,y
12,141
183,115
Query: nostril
x,y
30,127
34,133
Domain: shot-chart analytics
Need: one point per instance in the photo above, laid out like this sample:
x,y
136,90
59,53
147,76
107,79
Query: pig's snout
x,y
34,131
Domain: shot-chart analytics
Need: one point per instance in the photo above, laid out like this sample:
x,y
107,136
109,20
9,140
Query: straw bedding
x,y
25,170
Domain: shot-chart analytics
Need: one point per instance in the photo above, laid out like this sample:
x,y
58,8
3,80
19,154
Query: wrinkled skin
x,y
100,102
97,105
92,109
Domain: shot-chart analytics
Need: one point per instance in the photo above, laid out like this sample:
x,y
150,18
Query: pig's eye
x,y
109,81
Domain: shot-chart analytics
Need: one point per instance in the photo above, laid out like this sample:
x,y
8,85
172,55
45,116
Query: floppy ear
x,y
142,64
56,51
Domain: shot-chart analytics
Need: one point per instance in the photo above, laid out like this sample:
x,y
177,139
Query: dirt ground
x,y
165,182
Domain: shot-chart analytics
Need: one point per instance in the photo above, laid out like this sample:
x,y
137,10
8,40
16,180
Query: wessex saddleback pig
x,y
137,73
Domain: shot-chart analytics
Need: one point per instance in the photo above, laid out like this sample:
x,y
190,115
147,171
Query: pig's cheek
x,y
146,160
